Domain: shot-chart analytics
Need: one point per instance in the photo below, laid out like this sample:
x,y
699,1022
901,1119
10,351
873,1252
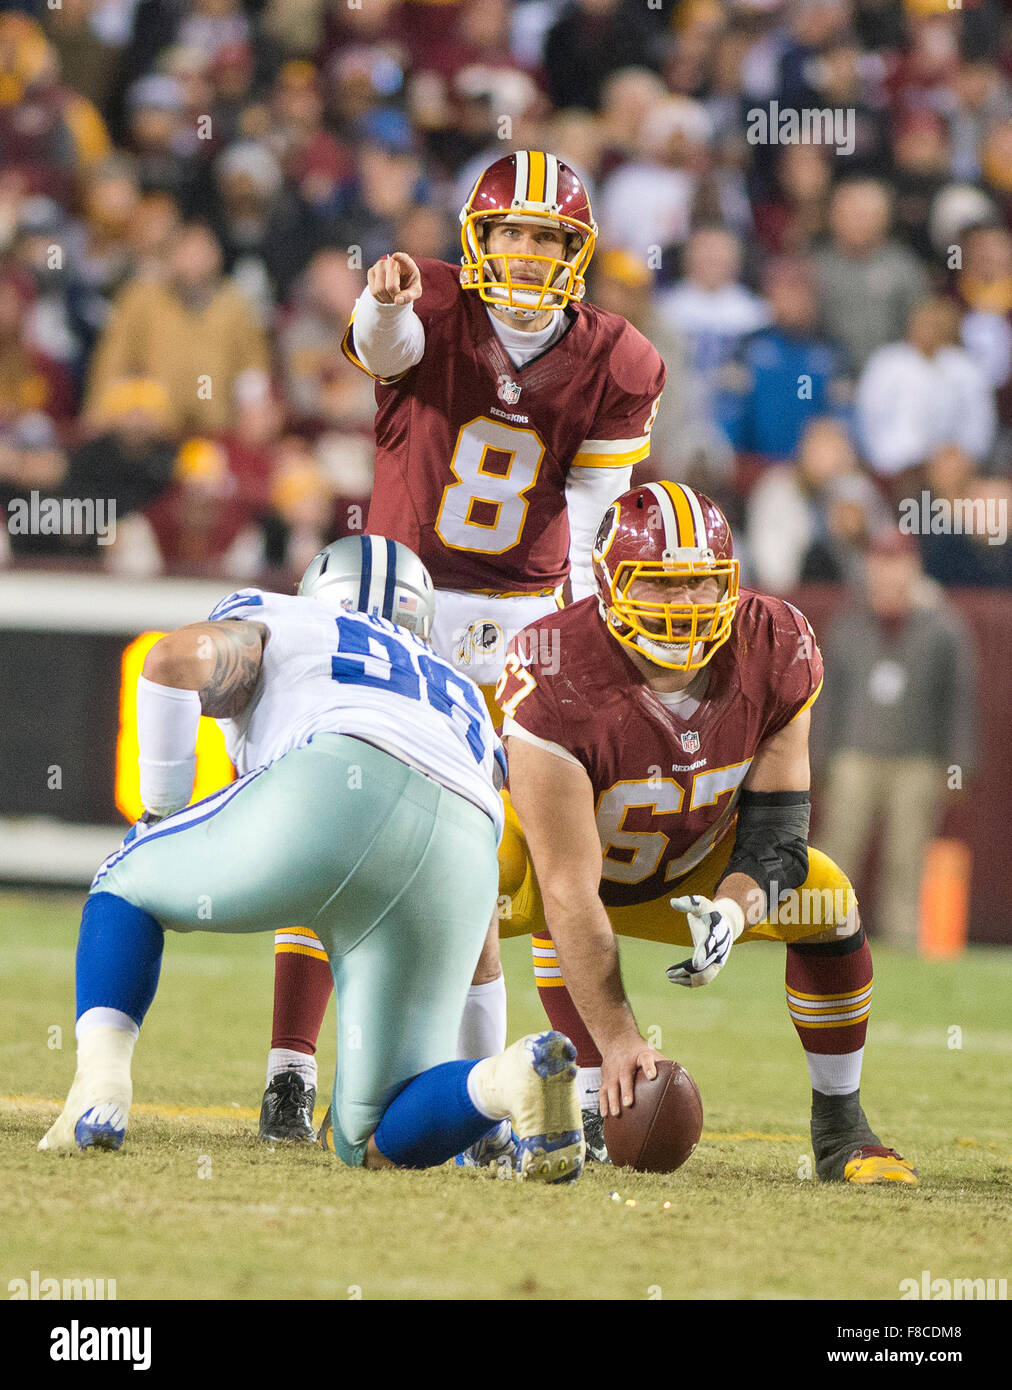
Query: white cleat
x,y
98,1106
535,1080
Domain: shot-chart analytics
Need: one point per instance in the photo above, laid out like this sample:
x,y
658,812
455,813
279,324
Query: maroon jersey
x,y
472,453
665,786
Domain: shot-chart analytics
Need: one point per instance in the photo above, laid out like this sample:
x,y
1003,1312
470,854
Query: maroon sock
x,y
302,987
558,1004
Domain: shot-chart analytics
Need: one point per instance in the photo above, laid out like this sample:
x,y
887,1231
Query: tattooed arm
x,y
220,661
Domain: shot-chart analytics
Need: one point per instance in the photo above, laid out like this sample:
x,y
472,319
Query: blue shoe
x,y
497,1149
102,1127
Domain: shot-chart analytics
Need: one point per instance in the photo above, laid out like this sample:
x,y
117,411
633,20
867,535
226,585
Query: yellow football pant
x,y
825,899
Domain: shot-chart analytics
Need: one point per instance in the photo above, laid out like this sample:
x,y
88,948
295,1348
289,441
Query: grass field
x,y
195,1208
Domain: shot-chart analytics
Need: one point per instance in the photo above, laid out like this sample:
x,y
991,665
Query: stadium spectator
x,y
49,132
88,59
646,205
984,286
976,553
30,380
913,396
130,460
621,284
590,40
788,508
796,213
784,375
868,284
322,387
194,332
31,460
898,713
855,514
712,309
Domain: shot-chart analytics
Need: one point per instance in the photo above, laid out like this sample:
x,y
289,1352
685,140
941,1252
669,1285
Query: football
x,y
662,1127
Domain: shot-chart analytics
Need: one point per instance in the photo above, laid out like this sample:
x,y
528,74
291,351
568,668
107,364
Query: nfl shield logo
x,y
690,742
509,391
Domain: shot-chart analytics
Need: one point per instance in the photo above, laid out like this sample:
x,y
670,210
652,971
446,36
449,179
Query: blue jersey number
x,y
402,672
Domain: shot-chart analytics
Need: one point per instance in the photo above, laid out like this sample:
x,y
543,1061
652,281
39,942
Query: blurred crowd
x,y
191,192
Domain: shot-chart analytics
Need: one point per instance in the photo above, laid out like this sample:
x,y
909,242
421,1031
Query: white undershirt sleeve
x,y
388,338
589,493
167,724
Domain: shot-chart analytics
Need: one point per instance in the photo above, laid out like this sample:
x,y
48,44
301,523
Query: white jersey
x,y
349,673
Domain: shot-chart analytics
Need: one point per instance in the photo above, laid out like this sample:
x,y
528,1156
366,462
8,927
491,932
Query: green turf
x,y
744,1221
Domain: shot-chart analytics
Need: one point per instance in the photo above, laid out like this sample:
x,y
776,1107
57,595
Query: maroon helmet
x,y
529,188
664,532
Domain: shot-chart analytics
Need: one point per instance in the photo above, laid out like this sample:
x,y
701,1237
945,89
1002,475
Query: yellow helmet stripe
x,y
536,177
683,514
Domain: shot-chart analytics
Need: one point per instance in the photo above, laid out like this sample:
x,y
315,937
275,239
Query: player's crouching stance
x,y
662,762
367,808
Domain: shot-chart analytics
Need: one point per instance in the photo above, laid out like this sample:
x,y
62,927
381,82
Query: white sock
x,y
835,1074
489,1105
483,1027
281,1059
588,1084
105,1018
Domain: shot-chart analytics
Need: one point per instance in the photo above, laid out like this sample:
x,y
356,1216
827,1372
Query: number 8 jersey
x,y
353,674
666,770
472,452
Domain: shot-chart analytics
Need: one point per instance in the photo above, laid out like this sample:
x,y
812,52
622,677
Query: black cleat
x,y
839,1131
593,1133
286,1114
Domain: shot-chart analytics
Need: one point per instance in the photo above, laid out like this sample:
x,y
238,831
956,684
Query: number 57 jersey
x,y
472,452
353,674
666,771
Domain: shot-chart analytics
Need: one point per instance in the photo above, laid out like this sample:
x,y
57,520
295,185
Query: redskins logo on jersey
x,y
667,536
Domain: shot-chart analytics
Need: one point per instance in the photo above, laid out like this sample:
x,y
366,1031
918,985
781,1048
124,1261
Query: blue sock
x,y
432,1119
119,956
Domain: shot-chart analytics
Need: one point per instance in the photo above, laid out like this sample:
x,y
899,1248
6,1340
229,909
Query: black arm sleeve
x,y
771,844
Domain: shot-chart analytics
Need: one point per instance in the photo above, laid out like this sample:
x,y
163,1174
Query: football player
x,y
509,415
660,773
367,807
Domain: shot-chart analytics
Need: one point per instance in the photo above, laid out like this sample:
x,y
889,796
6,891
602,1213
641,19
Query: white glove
x,y
715,926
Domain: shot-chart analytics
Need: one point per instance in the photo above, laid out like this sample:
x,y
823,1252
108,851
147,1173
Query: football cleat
x,y
98,1103
497,1149
593,1133
286,1114
535,1080
873,1163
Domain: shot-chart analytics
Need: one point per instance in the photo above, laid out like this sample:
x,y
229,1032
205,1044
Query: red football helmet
x,y
659,532
527,188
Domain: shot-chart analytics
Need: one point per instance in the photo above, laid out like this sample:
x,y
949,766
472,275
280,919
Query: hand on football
x,y
715,926
619,1065
395,279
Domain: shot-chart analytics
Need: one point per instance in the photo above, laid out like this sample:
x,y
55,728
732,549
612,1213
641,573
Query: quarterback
x,y
660,775
367,807
509,415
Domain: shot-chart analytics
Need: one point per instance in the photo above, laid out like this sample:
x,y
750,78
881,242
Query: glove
x,y
141,827
715,926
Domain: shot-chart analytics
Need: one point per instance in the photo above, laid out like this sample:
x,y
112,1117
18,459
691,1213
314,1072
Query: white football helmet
x,y
370,574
